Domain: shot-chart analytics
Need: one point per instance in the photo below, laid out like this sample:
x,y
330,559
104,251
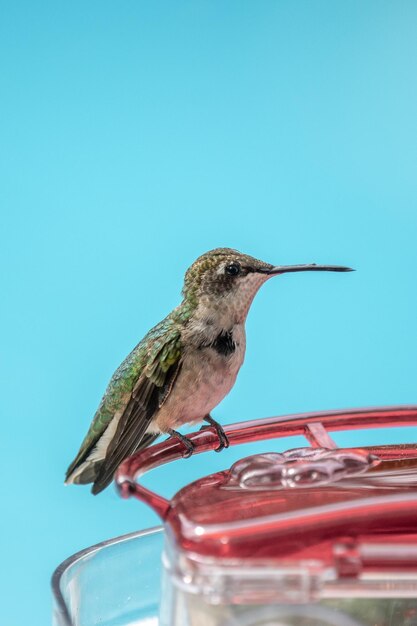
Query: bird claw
x,y
188,444
223,439
223,443
189,448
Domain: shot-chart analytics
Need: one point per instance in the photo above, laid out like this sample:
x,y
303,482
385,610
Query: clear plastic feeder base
x,y
118,583
203,592
115,583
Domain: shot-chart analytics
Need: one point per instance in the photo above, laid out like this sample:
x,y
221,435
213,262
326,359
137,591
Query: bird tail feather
x,y
102,483
84,473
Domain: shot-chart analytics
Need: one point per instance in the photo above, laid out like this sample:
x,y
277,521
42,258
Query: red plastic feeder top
x,y
352,509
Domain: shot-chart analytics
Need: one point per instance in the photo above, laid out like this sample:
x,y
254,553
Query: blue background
x,y
134,137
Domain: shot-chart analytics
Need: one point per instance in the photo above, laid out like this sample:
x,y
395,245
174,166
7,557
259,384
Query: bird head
x,y
227,279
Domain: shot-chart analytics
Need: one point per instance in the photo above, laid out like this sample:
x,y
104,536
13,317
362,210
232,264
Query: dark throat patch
x,y
224,343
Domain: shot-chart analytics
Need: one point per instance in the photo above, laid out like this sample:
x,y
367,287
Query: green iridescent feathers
x,y
149,362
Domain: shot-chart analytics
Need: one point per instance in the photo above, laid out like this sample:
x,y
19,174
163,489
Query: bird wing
x,y
162,366
138,370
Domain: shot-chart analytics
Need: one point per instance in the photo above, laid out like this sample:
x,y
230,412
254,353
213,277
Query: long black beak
x,y
283,269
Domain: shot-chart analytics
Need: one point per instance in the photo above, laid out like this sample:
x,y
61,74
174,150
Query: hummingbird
x,y
182,368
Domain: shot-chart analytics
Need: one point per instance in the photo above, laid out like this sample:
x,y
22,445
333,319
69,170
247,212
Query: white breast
x,y
206,377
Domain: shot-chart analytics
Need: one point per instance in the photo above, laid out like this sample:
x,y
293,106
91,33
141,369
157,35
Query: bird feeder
x,y
312,536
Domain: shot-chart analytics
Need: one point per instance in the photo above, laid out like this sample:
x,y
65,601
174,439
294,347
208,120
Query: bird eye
x,y
233,269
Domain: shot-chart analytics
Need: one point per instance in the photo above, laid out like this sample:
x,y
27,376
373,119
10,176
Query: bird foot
x,y
189,445
223,440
